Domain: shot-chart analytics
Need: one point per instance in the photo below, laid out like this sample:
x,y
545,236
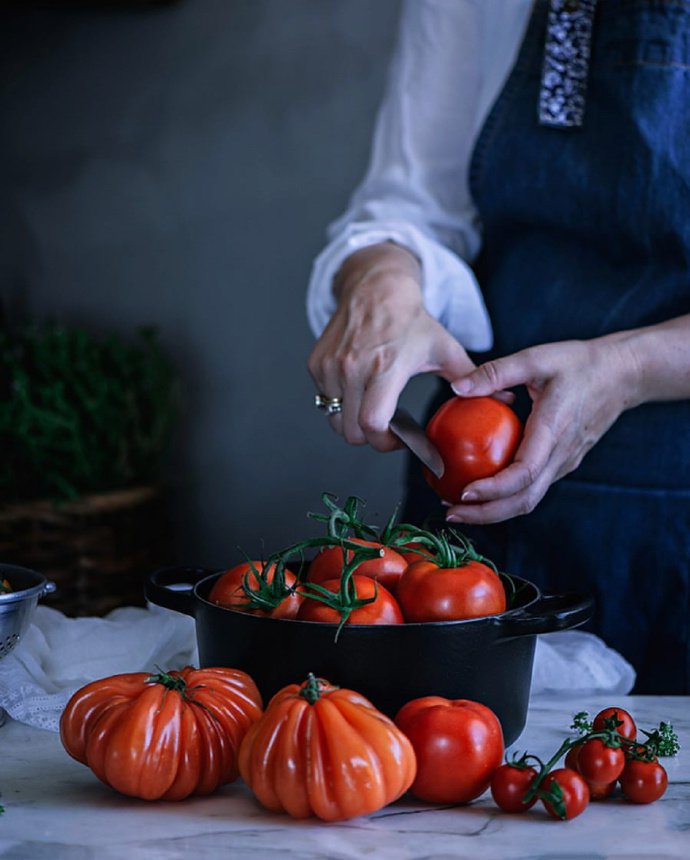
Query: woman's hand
x,y
378,338
578,390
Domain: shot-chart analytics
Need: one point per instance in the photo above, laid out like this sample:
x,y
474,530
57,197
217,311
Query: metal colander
x,y
17,607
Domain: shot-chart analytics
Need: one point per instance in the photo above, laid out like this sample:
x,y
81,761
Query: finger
x,y
379,402
531,460
497,375
449,359
498,510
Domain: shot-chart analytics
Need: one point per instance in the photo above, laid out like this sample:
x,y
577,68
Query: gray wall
x,y
178,167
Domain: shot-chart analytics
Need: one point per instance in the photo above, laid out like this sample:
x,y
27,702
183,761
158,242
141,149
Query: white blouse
x,y
451,60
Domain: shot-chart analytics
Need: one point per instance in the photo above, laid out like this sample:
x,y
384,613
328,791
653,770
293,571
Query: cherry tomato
x,y
427,592
627,729
458,744
601,792
383,610
574,789
386,570
476,437
509,784
228,591
571,757
600,764
643,781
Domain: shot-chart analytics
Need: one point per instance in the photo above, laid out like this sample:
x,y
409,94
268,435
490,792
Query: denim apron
x,y
586,231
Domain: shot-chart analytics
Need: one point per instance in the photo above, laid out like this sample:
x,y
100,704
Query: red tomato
x,y
601,792
574,789
383,610
228,592
627,729
571,757
427,592
476,437
458,743
643,781
509,784
599,764
386,570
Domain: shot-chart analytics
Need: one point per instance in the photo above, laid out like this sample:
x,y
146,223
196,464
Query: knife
x,y
413,436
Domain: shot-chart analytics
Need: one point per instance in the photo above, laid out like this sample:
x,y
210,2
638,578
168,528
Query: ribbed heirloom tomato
x,y
164,736
458,744
324,751
476,438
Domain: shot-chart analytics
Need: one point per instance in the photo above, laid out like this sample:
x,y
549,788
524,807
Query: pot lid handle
x,y
173,587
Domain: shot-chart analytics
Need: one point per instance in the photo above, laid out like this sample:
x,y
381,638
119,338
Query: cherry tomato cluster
x,y
360,575
607,753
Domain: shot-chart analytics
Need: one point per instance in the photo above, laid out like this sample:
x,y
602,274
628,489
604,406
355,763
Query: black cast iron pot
x,y
488,660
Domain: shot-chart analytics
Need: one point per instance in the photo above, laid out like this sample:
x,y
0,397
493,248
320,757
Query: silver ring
x,y
330,405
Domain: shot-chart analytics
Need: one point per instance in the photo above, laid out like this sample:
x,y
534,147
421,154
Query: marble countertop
x,y
55,808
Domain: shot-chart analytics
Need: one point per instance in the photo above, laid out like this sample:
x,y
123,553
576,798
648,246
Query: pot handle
x,y
173,587
550,613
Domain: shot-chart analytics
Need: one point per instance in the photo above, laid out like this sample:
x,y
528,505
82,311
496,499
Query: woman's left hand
x,y
578,390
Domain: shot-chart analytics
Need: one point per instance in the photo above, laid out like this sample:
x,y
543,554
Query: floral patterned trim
x,y
562,95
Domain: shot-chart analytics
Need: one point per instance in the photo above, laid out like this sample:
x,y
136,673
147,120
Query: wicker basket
x,y
97,550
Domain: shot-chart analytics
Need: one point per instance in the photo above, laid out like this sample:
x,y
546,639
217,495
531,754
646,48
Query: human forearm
x,y
658,358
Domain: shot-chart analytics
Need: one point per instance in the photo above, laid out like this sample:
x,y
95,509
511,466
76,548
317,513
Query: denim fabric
x,y
587,231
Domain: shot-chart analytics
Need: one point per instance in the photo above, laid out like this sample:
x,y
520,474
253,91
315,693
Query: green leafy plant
x,y
81,414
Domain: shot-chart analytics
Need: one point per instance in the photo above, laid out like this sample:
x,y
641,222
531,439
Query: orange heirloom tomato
x,y
324,751
476,438
164,736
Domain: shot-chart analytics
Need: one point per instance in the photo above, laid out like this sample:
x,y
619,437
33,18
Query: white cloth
x,y
58,655
451,60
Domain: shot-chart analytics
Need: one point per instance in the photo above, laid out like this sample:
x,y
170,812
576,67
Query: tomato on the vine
x,y
509,784
383,609
570,793
643,781
458,744
386,569
600,764
626,729
428,592
228,590
476,438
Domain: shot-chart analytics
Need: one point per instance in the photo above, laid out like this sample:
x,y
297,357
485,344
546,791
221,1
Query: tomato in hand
x,y
386,570
427,592
509,784
458,744
570,793
627,729
599,764
228,590
383,610
476,438
643,781
325,751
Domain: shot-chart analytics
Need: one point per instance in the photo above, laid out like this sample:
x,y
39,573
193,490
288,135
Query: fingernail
x,y
463,386
469,496
453,518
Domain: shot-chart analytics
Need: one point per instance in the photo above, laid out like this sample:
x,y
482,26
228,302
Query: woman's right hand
x,y
378,338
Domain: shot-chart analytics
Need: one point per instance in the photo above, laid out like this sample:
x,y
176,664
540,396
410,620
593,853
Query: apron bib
x,y
586,231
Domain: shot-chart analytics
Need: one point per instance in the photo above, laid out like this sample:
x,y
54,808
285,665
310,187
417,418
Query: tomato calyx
x,y
341,520
263,591
313,688
170,682
345,600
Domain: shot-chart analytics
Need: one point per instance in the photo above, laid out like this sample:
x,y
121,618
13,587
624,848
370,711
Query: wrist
x,y
378,266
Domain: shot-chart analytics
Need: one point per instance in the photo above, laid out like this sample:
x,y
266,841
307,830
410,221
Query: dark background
x,y
178,166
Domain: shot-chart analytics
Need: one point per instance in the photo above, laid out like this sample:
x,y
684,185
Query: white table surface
x,y
55,808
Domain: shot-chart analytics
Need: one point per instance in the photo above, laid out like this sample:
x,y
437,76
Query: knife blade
x,y
413,436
